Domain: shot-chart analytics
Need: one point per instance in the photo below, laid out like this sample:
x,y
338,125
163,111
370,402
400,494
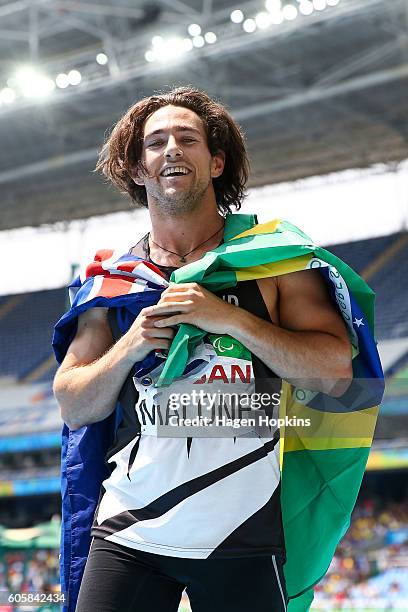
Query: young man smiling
x,y
202,525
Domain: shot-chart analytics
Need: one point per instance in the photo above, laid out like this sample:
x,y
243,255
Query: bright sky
x,y
337,208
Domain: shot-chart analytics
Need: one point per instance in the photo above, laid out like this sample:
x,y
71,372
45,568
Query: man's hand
x,y
143,337
191,303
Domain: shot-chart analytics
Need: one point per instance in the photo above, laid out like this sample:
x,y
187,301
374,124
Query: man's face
x,y
178,163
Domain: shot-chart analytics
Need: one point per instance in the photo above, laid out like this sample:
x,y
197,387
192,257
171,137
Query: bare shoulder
x,y
305,304
92,339
310,281
96,315
286,294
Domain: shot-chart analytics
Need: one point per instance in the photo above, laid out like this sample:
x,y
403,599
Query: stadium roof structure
x,y
316,93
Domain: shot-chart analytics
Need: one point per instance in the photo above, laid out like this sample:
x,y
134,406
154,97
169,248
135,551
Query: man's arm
x,y
310,347
88,382
89,379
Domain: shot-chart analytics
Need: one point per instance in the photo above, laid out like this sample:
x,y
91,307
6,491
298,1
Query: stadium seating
x,y
26,332
361,253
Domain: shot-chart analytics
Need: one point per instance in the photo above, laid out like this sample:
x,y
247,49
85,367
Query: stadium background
x,y
320,89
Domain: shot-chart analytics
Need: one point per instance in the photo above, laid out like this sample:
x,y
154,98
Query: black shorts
x,y
122,579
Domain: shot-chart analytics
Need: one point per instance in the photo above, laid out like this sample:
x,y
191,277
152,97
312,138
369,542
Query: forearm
x,y
315,360
87,394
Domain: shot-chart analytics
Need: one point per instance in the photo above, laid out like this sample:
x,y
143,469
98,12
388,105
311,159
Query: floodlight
x,y
74,77
289,12
198,41
306,7
263,20
194,29
62,80
170,49
237,16
187,44
102,59
210,37
32,83
273,5
249,25
157,41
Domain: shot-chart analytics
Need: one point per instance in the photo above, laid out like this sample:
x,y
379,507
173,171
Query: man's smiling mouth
x,y
175,171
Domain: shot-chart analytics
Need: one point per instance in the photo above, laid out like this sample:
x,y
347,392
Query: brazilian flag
x,y
321,465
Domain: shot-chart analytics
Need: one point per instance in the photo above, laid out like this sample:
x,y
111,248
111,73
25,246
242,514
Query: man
x,y
183,156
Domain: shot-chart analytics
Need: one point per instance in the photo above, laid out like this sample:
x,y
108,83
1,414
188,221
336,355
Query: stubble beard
x,y
179,203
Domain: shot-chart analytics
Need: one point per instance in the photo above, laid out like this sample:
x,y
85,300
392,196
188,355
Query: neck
x,y
183,233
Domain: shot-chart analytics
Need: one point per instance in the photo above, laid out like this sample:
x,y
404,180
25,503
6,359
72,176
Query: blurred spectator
x,y
370,567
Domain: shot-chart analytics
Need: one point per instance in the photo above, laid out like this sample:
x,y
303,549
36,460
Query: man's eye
x,y
158,143
155,143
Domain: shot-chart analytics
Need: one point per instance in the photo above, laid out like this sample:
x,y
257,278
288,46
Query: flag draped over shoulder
x,y
322,464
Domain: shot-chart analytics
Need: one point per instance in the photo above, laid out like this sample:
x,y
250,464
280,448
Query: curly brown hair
x,y
122,151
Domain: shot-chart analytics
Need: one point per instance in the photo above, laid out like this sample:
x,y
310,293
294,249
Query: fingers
x,y
167,308
158,332
182,286
180,296
179,289
162,323
162,344
149,322
158,338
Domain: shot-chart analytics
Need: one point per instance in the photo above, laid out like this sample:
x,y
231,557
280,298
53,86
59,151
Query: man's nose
x,y
173,150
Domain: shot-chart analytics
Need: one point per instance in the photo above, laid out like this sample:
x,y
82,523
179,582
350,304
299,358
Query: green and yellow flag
x,y
321,465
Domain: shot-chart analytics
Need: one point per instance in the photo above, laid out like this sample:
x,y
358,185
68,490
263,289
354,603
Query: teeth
x,y
175,169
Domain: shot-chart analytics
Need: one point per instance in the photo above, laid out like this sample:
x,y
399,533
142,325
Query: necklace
x,y
182,257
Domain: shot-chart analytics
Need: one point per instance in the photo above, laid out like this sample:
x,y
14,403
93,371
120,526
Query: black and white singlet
x,y
195,497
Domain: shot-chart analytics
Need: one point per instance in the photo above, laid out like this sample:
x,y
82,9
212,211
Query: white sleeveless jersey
x,y
204,487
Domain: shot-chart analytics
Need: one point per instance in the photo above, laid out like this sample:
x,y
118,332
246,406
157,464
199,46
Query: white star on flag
x,y
358,322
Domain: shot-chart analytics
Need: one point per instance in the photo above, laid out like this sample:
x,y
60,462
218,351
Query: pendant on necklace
x,y
183,259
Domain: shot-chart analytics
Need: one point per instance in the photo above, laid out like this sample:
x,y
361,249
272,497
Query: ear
x,y
137,176
217,164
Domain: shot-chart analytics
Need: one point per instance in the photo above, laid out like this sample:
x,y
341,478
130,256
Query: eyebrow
x,y
179,128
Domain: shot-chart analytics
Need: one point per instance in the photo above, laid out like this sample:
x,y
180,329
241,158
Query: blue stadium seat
x,y
26,332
